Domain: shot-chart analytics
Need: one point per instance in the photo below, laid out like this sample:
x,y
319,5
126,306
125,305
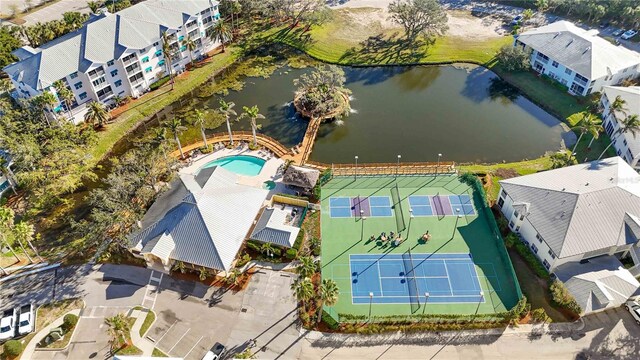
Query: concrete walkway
x,y
31,346
140,342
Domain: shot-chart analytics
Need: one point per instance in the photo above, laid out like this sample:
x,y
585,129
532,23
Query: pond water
x,y
467,113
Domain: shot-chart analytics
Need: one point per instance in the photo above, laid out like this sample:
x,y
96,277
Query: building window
x,y
181,37
568,71
539,238
128,57
83,96
98,81
517,228
73,75
183,47
142,51
156,43
110,63
534,248
114,73
161,62
501,202
511,224
551,254
546,264
159,53
148,70
118,83
554,64
77,85
145,59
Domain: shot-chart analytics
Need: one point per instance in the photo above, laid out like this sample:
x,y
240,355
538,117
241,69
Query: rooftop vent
x,y
587,184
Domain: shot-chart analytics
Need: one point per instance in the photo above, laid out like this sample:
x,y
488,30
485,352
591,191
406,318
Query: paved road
x,y
51,12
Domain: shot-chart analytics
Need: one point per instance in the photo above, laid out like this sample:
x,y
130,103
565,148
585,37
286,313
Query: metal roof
x,y
582,51
103,38
208,226
272,228
601,282
579,208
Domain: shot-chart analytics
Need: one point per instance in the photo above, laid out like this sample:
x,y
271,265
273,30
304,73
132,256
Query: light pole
x,y
355,176
370,303
438,166
426,298
481,296
398,165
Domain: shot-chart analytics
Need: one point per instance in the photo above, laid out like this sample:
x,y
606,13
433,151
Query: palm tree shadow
x,y
382,49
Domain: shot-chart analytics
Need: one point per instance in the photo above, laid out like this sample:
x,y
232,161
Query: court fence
x,y
497,318
483,207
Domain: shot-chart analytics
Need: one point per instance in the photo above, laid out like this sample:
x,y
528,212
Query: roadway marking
x,y
193,347
161,337
176,344
153,289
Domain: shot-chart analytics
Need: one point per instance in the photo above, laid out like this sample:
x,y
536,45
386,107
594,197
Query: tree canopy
x,y
513,58
419,17
322,93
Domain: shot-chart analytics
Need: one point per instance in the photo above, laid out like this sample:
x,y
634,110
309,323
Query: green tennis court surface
x,y
459,270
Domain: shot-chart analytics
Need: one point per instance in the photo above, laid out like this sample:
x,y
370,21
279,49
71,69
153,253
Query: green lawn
x,y
342,237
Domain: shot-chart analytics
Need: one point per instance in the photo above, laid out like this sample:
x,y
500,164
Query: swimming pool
x,y
239,164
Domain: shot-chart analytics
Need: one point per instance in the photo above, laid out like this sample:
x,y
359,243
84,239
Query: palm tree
x,y
307,267
168,53
630,124
117,100
328,295
97,115
303,290
221,31
160,138
589,124
118,330
253,114
226,108
267,249
65,95
47,100
24,233
198,117
175,126
618,105
203,274
233,277
191,45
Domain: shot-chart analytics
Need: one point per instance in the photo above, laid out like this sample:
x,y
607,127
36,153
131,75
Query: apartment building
x,y
116,54
627,144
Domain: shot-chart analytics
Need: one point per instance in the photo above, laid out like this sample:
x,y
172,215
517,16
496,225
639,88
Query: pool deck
x,y
269,170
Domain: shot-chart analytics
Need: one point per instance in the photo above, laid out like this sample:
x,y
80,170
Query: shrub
x,y
69,322
291,253
540,316
156,85
244,259
511,239
561,297
206,149
13,348
531,259
513,58
254,246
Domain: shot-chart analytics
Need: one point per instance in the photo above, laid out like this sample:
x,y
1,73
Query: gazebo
x,y
301,177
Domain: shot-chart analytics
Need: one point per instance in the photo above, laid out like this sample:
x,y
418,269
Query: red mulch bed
x,y
216,281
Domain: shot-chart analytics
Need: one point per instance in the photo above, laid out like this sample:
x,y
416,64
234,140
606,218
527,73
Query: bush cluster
x,y
13,348
561,297
69,322
531,259
156,85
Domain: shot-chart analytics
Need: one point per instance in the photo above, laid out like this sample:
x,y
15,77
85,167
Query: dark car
x,y
604,24
618,32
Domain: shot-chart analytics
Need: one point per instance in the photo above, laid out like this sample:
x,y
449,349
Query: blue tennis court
x,y
431,205
400,279
346,207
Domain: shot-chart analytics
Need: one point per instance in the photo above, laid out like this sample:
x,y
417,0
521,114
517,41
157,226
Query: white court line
x,y
176,344
448,279
166,332
380,278
193,347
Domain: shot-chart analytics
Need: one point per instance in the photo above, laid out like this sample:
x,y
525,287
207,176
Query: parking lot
x,y
188,326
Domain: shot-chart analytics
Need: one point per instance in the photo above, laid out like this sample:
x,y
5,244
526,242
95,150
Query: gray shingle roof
x,y
580,50
104,38
579,208
301,177
601,282
208,225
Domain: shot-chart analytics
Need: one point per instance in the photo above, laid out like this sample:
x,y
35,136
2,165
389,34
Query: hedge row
x,y
156,85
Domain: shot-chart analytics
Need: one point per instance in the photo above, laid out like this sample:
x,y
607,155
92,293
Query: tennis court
x,y
369,225
404,279
346,207
432,205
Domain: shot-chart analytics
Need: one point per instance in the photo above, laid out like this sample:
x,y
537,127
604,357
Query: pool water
x,y
239,164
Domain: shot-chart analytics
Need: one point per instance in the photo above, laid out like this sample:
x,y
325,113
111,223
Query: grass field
x,y
342,237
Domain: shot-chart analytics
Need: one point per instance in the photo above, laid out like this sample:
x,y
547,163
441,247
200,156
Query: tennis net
x,y
437,202
412,284
395,197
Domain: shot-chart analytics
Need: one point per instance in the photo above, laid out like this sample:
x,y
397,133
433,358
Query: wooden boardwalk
x,y
406,168
223,137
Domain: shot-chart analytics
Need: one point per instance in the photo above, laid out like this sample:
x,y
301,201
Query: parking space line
x,y
193,347
178,342
161,337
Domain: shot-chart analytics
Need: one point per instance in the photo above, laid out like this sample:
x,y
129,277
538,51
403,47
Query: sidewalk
x,y
42,333
141,343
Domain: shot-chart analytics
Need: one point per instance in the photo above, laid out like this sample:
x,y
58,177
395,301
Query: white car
x,y
629,34
215,352
634,308
25,322
8,324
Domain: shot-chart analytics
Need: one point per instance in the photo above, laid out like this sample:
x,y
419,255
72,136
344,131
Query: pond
x,y
467,113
